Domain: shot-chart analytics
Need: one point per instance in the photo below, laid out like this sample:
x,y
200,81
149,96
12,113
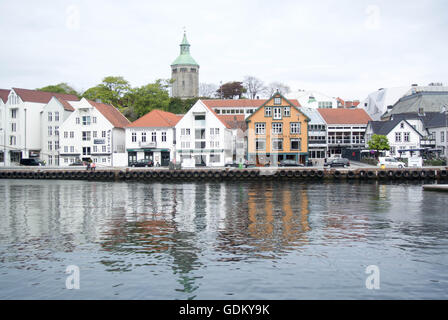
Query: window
x,y
103,160
12,140
199,120
406,136
103,148
185,132
277,113
86,120
72,149
56,131
13,113
94,119
50,146
143,136
442,136
287,111
277,128
50,160
154,137
267,111
277,144
56,145
95,149
295,127
402,125
103,134
50,116
56,116
277,100
13,127
65,149
77,120
214,158
185,144
199,134
50,131
397,136
260,144
295,144
260,128
86,151
199,145
72,134
94,134
133,137
86,136
163,136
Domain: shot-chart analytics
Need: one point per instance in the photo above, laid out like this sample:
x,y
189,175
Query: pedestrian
x,y
93,166
88,166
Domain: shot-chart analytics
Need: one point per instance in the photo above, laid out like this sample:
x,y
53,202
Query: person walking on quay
x,y
88,166
93,166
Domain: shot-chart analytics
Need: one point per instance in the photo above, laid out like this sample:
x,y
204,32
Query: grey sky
x,y
341,48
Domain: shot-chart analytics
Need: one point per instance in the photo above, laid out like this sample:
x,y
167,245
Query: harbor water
x,y
222,240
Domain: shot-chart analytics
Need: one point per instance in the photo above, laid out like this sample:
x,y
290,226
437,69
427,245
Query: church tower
x,y
185,73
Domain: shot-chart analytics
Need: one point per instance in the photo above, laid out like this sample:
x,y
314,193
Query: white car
x,y
390,162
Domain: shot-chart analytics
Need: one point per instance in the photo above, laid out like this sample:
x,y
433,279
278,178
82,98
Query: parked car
x,y
289,163
338,162
142,163
31,162
390,162
77,163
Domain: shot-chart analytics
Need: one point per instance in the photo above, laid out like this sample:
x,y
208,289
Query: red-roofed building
x,y
93,132
152,137
246,107
347,104
203,138
23,114
345,129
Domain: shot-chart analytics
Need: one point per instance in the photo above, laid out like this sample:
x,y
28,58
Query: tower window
x,y
193,70
183,69
175,70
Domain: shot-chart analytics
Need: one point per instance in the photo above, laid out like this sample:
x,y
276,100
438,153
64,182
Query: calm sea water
x,y
264,240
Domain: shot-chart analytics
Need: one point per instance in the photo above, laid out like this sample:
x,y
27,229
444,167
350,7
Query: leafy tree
x,y
254,86
148,97
62,87
378,142
181,106
112,91
230,90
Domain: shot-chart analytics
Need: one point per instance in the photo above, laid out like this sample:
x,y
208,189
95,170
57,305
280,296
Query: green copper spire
x,y
184,57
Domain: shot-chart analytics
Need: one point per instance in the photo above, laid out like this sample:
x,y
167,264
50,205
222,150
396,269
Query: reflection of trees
x,y
275,219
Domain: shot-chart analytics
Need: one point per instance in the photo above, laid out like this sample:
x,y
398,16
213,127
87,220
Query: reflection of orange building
x,y
283,225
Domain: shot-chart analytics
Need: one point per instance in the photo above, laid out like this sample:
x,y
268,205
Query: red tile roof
x,y
241,103
41,96
213,111
345,116
66,105
156,118
234,121
4,94
111,113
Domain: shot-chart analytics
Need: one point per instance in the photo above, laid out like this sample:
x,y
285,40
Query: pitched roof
x,y
41,96
111,113
215,114
156,118
67,106
4,95
234,121
345,116
240,103
384,127
430,101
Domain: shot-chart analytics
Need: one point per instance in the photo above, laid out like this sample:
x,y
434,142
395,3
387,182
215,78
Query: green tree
x,y
181,106
148,97
62,87
379,143
111,91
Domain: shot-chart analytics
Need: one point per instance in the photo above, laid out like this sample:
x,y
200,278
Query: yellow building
x,y
277,131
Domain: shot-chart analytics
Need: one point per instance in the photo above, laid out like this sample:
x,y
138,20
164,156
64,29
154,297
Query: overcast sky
x,y
341,48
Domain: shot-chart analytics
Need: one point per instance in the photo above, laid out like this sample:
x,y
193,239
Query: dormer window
x,y
402,125
277,101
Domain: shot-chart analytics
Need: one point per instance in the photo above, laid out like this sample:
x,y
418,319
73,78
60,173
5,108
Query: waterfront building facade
x,y
93,132
203,138
277,131
152,137
185,73
52,116
317,136
345,129
23,122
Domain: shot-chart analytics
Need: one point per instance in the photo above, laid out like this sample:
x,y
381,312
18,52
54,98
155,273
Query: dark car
x,y
31,162
289,163
142,163
77,163
340,162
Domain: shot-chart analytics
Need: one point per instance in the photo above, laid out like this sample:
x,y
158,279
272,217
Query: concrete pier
x,y
225,174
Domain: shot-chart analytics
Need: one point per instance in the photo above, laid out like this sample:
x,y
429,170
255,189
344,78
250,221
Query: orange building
x,y
277,131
